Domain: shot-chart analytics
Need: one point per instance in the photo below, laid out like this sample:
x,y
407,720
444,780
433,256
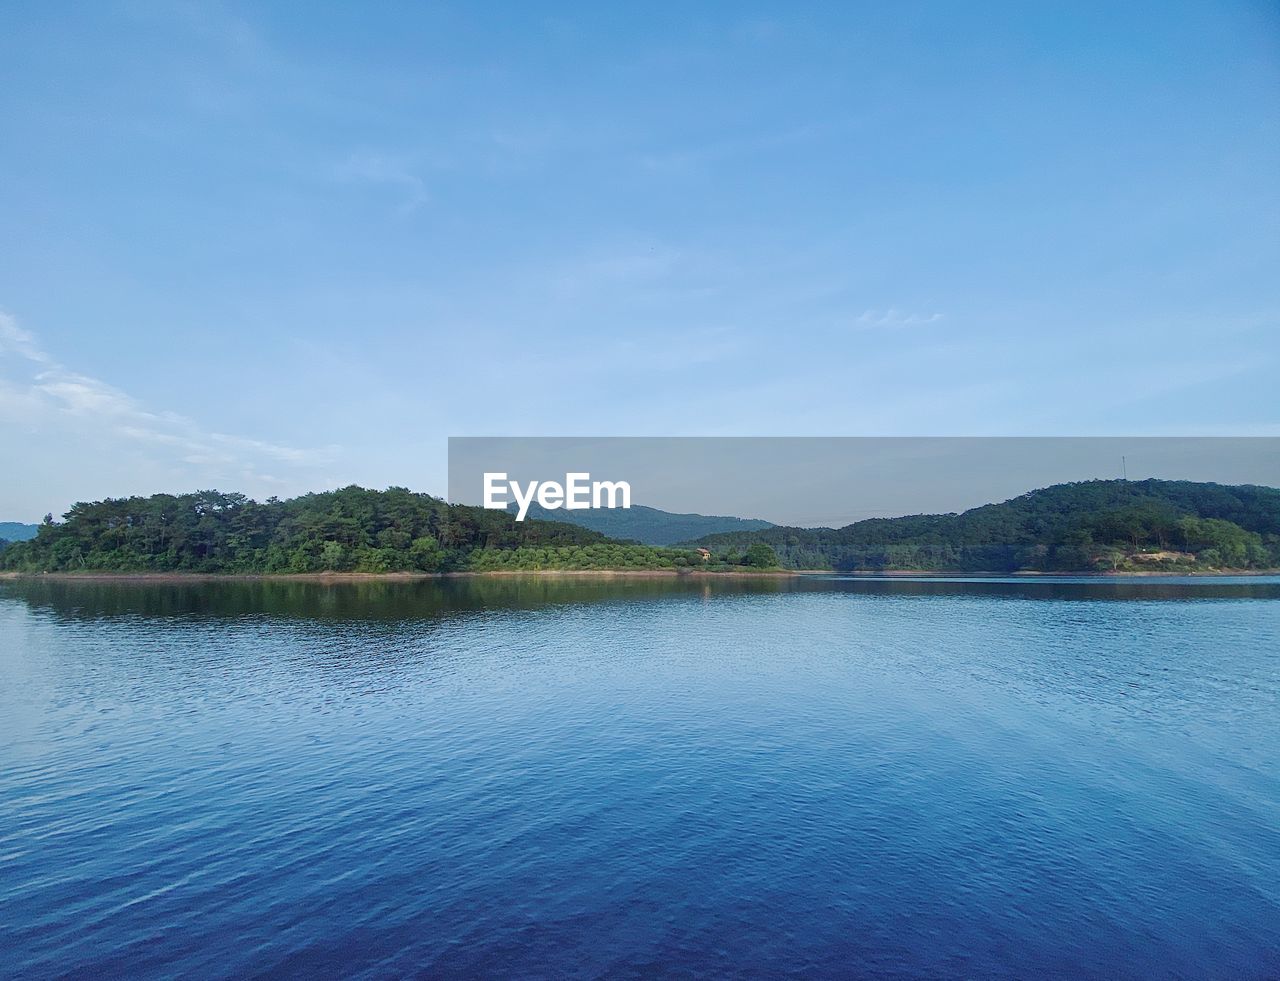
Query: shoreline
x,y
355,577
341,577
1035,574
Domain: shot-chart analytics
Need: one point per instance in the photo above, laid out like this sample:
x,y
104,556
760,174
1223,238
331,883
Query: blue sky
x,y
287,247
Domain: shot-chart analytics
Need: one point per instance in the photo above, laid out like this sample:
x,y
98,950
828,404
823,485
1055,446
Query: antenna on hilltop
x,y
1124,468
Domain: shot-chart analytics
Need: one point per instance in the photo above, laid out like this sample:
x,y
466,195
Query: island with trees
x,y
352,530
1090,526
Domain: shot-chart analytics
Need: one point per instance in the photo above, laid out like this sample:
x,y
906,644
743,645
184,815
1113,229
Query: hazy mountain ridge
x,y
16,531
1089,525
649,526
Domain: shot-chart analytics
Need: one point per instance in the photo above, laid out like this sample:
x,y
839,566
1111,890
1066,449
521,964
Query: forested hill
x,y
1092,525
1096,525
649,526
349,530
16,531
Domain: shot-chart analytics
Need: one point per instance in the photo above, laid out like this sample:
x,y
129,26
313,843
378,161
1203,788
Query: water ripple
x,y
548,780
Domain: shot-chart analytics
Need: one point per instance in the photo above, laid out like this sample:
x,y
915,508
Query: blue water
x,y
549,778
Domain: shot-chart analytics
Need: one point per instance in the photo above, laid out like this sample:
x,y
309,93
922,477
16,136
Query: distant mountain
x,y
14,531
649,526
1091,525
1098,525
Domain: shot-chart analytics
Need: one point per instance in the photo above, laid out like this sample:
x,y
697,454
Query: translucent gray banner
x,y
832,481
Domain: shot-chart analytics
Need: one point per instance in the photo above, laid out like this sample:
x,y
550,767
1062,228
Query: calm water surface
x,y
575,778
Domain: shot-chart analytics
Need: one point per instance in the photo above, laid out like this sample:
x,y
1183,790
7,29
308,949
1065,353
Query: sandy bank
x,y
338,577
351,577
1028,574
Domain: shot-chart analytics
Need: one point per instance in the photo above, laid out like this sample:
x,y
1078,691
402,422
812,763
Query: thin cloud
x,y
53,391
693,158
386,170
895,319
15,340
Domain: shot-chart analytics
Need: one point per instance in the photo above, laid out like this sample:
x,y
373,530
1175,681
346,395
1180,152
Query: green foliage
x,y
648,526
761,556
601,556
1091,525
1218,542
426,555
1105,525
349,530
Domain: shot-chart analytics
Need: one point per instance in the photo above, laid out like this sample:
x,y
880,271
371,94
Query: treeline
x,y
649,526
1092,525
599,556
348,530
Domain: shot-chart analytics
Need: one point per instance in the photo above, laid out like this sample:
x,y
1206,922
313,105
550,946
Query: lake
x,y
552,777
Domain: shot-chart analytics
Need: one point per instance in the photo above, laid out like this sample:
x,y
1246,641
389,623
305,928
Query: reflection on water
x,y
361,599
426,598
552,776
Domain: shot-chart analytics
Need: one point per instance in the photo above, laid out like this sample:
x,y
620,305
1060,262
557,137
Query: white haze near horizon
x,y
833,481
275,247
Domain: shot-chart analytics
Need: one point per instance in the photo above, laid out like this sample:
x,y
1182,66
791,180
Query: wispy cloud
x,y
895,319
15,340
611,271
390,171
688,159
758,30
37,387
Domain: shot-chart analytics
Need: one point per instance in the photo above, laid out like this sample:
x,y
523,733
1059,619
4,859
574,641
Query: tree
x,y
426,554
761,556
1068,527
332,556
